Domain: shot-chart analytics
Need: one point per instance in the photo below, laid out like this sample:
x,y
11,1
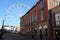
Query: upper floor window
x,y
34,18
26,21
56,2
30,19
41,15
42,5
57,19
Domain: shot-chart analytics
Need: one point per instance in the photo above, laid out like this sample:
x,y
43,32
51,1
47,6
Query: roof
x,y
30,9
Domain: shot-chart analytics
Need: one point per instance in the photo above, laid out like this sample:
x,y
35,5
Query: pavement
x,y
11,36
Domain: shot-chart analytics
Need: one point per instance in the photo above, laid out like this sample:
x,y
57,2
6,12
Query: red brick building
x,y
39,18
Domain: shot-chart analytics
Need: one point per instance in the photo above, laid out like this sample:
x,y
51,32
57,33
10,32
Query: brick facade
x,y
32,19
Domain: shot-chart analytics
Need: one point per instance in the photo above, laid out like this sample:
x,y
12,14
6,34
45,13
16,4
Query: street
x,y
11,36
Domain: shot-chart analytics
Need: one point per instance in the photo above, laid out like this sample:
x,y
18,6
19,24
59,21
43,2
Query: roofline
x,y
30,9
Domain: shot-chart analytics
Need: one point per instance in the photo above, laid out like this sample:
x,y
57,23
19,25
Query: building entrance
x,y
57,34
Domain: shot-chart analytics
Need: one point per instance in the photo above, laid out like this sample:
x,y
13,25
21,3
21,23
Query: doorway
x,y
57,32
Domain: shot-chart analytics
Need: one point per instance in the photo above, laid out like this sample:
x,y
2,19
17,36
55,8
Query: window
x,y
56,2
34,18
41,15
27,21
30,19
57,19
42,5
24,22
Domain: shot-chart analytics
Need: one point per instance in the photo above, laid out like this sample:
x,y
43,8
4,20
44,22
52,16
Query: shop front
x,y
56,22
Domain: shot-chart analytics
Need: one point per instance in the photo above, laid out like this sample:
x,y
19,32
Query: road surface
x,y
11,36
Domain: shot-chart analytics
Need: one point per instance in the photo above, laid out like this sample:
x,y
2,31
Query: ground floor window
x,y
57,19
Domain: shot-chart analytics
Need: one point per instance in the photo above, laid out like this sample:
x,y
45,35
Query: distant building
x,y
12,28
8,28
17,29
39,18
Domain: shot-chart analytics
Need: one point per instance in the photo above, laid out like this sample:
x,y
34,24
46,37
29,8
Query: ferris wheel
x,y
14,12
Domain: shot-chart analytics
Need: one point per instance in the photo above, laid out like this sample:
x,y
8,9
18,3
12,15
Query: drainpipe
x,y
50,26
